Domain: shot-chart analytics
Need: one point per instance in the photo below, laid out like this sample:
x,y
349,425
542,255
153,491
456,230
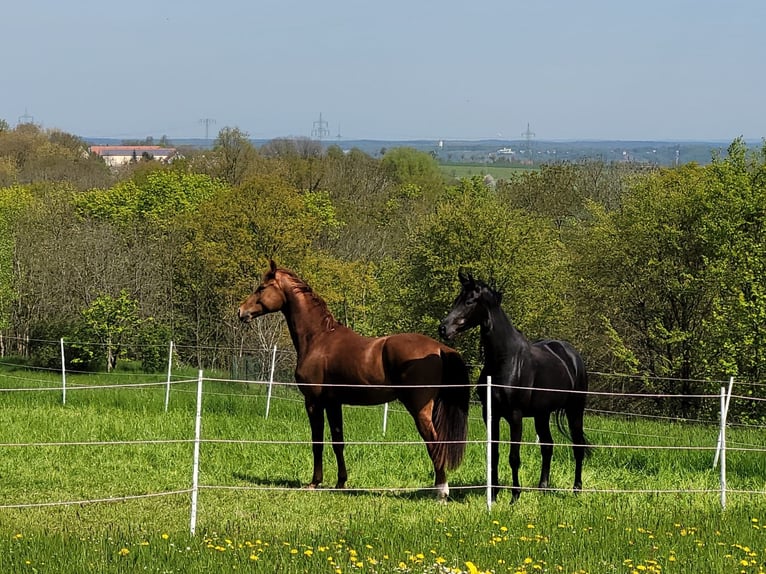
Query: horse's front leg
x,y
493,427
316,419
542,427
335,420
514,458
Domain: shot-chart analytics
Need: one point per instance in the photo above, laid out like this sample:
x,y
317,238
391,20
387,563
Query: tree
x,y
13,200
228,241
475,231
111,321
233,156
675,275
152,197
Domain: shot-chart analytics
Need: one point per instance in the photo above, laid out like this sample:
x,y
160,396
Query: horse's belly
x,y
363,395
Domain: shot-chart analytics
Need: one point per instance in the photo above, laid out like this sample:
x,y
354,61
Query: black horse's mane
x,y
490,286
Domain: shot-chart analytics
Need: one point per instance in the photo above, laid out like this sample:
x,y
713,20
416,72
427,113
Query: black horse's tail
x,y
450,412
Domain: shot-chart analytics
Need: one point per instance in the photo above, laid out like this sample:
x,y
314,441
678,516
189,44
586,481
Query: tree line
x,y
654,273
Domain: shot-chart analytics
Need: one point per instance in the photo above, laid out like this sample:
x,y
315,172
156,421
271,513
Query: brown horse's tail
x,y
450,412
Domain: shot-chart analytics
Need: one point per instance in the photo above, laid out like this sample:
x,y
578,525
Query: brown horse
x,y
336,366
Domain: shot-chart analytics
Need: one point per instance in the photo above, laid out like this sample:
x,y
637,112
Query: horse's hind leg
x,y
335,420
316,420
425,426
575,419
543,430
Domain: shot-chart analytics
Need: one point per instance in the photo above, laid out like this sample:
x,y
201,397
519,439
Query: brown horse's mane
x,y
303,288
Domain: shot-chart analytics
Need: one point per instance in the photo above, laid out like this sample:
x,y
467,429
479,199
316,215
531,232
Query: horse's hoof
x,y
312,486
340,486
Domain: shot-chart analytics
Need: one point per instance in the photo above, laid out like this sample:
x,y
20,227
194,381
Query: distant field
x,y
463,170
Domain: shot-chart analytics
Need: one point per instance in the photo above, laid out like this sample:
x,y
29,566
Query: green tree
x,y
13,201
675,276
154,197
228,242
111,321
233,156
475,231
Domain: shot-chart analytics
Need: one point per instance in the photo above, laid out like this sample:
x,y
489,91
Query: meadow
x,y
467,170
102,484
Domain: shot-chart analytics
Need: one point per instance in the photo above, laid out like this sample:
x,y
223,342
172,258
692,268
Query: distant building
x,y
117,155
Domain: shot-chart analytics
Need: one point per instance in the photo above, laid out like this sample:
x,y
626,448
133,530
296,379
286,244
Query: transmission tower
x,y
528,135
207,122
320,129
26,118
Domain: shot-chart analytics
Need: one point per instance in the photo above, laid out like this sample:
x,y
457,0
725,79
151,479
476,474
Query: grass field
x,y
253,515
460,171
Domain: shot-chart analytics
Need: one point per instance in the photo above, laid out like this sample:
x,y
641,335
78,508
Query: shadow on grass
x,y
458,493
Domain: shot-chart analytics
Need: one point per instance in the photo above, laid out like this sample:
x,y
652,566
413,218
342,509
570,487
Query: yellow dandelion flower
x,y
165,536
472,569
440,560
253,557
528,560
308,553
124,552
293,551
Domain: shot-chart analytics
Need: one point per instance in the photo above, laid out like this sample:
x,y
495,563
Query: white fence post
x,y
170,368
722,439
195,470
728,399
385,418
63,374
271,380
489,443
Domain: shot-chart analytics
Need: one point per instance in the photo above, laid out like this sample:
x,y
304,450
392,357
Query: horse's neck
x,y
305,318
500,339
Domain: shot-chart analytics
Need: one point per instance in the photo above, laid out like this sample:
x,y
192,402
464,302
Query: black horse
x,y
528,380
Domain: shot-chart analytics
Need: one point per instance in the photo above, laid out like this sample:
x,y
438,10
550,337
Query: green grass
x,y
461,171
254,516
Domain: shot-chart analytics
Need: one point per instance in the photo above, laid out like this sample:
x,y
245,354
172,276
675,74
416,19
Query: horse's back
x,y
563,364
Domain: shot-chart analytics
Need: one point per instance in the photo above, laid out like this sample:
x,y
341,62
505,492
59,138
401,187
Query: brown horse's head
x,y
268,297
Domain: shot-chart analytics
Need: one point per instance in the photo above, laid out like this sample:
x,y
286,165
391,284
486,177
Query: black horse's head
x,y
470,307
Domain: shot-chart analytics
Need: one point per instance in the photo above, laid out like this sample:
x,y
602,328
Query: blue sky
x,y
399,69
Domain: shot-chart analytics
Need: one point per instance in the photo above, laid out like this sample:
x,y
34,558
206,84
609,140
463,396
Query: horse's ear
x,y
273,266
463,279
